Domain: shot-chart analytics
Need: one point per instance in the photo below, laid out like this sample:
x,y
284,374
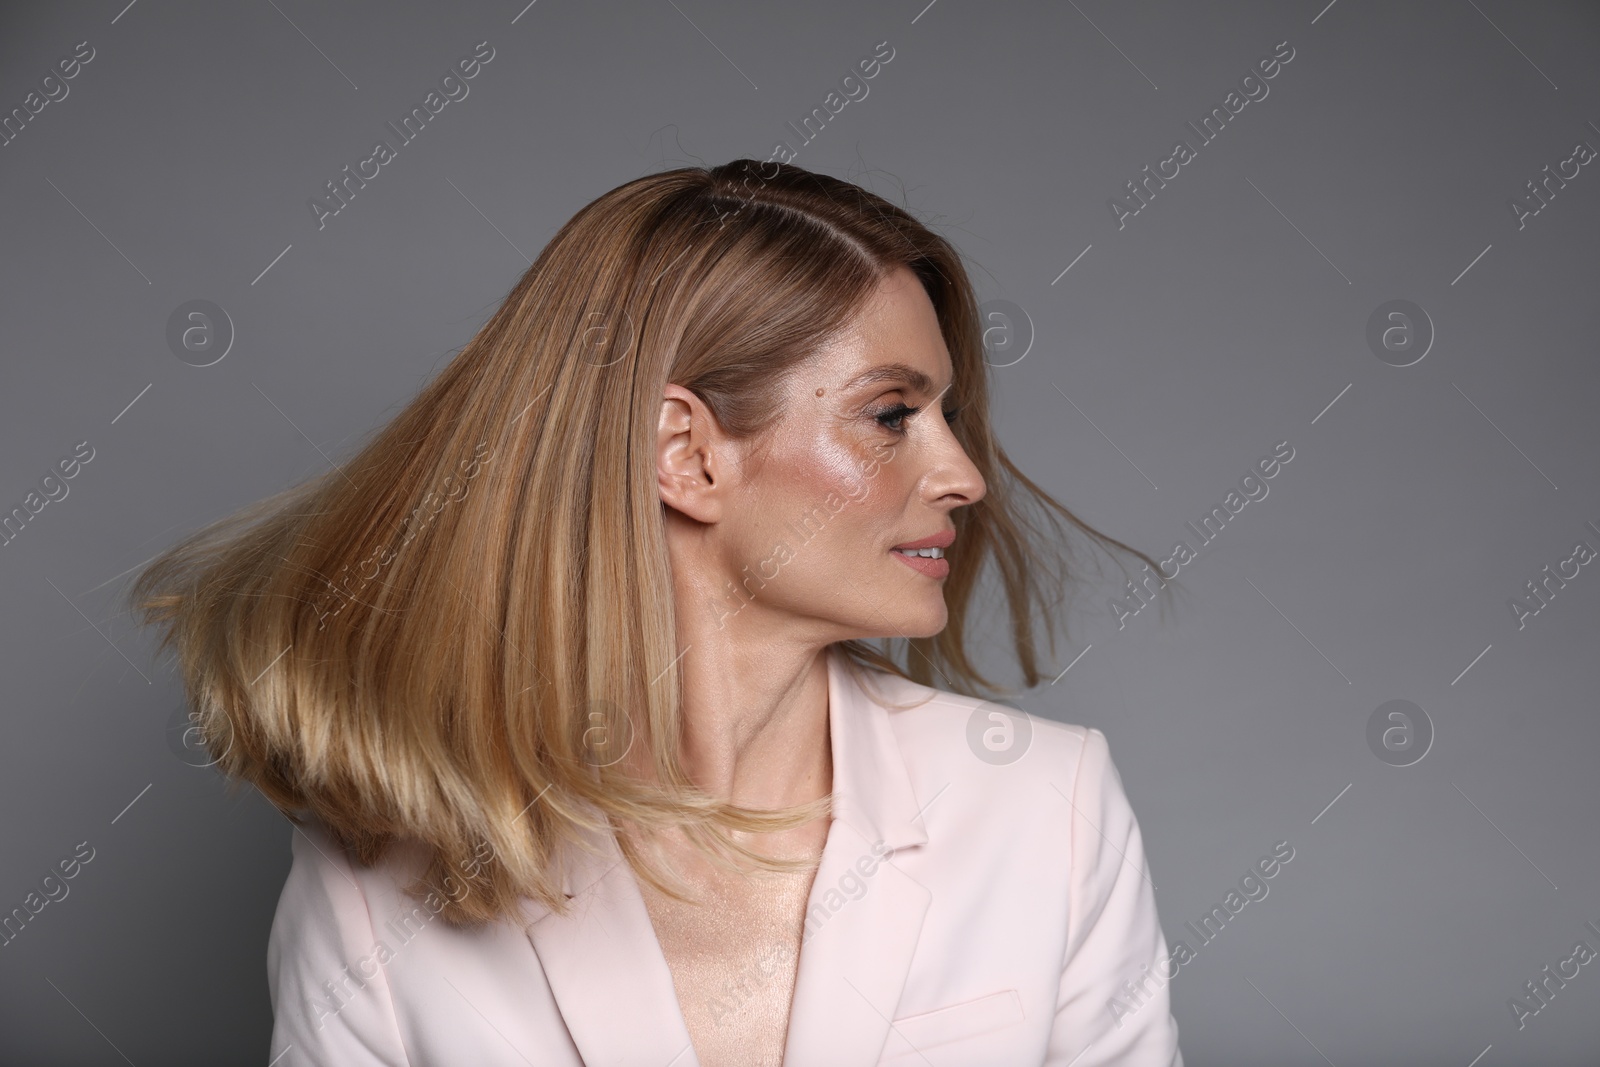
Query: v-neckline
x,y
863,918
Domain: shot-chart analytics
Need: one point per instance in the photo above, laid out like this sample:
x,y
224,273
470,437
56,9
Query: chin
x,y
925,623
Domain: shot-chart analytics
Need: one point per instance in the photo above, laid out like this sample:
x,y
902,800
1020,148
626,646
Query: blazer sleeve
x,y
331,1003
1113,1002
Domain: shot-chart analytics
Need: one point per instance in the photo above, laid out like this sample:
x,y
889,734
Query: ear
x,y
694,467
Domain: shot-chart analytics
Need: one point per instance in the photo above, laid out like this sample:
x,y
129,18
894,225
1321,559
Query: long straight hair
x,y
457,637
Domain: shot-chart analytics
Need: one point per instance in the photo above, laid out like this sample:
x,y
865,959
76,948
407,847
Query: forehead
x,y
894,337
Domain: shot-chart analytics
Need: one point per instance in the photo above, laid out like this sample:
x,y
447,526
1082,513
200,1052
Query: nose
x,y
952,479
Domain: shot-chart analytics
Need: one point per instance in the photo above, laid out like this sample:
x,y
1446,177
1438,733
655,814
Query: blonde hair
x,y
420,645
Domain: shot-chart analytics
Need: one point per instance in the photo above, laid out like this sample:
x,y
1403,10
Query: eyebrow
x,y
894,372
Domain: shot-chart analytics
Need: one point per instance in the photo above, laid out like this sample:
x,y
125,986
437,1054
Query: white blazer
x,y
1010,905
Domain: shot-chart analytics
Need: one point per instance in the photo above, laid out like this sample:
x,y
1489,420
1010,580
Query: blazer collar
x,y
871,787
863,919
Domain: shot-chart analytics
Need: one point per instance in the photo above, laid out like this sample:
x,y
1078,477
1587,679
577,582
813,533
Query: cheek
x,y
857,481
821,467
830,493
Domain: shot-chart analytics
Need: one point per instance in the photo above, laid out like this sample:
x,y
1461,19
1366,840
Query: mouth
x,y
926,556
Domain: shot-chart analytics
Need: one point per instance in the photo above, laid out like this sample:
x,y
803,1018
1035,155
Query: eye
x,y
950,415
892,418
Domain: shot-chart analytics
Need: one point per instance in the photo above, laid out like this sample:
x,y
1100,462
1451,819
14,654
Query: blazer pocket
x,y
941,1026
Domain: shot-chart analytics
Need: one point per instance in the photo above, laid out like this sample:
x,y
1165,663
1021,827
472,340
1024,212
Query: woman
x,y
566,678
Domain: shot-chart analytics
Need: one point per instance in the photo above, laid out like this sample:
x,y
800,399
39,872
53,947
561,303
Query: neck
x,y
755,705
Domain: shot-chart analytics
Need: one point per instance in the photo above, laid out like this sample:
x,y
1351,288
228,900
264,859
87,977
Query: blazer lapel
x,y
606,970
864,914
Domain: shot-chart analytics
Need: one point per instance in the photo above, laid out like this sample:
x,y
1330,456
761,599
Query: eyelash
x,y
900,412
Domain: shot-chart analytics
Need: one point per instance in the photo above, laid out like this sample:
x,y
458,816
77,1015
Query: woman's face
x,y
849,472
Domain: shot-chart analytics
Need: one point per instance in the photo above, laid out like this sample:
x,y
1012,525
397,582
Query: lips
x,y
938,540
926,555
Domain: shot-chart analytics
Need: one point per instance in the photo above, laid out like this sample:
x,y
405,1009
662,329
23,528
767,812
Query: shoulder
x,y
951,736
364,974
996,785
330,994
329,888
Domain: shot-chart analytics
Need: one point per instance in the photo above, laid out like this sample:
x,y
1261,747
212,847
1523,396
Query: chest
x,y
734,954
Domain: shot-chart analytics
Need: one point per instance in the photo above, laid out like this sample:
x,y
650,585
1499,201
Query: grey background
x,y
1225,317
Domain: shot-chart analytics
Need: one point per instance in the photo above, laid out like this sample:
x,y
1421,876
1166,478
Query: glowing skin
x,y
802,522
754,679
